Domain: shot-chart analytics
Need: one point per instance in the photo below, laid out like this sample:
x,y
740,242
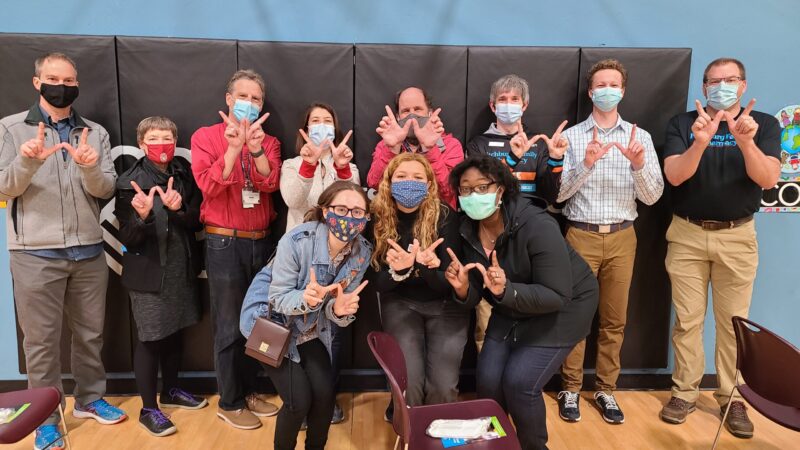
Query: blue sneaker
x,y
47,434
100,411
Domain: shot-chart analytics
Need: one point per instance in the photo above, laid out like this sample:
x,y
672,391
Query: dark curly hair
x,y
490,167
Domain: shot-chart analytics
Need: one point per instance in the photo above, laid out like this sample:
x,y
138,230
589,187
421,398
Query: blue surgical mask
x,y
479,206
508,113
409,193
318,132
722,96
243,109
606,98
345,228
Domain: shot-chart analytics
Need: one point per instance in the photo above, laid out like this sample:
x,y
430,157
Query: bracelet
x,y
398,277
257,154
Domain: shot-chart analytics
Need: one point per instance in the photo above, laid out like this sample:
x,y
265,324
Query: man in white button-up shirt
x,y
609,164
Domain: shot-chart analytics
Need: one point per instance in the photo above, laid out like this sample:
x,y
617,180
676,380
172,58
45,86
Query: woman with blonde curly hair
x,y
412,229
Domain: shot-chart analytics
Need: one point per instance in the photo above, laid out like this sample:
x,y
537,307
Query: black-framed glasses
x,y
341,210
727,80
480,189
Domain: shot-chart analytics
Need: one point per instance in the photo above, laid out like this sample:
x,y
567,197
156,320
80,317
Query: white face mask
x,y
319,132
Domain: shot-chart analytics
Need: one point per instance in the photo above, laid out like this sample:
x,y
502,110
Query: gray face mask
x,y
421,121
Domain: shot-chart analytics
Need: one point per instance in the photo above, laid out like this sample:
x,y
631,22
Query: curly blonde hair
x,y
384,210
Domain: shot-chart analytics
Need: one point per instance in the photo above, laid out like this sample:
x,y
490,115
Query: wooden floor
x,y
365,428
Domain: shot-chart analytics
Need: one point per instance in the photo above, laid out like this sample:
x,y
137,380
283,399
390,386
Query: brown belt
x,y
714,225
602,229
254,235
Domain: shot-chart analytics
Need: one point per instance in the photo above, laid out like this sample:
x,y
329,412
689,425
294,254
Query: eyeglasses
x,y
728,80
480,189
341,210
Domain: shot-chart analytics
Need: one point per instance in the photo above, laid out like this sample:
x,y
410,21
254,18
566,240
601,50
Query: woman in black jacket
x,y
543,294
158,208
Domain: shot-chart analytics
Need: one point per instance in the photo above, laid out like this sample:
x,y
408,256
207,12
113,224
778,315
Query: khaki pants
x,y
482,313
728,259
611,258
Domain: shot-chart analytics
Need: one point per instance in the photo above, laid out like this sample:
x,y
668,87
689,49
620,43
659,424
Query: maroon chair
x,y
770,368
410,423
43,401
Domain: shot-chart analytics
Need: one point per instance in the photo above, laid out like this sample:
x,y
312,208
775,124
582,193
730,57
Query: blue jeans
x,y
513,376
231,265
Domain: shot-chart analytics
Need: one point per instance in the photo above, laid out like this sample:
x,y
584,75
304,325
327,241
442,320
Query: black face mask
x,y
59,95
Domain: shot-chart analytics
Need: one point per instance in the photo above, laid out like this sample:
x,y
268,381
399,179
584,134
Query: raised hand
x,y
85,154
494,278
520,142
171,198
235,132
399,259
428,256
634,151
744,128
314,293
254,135
556,145
457,275
595,150
429,134
35,149
311,152
392,133
704,126
142,203
346,304
342,155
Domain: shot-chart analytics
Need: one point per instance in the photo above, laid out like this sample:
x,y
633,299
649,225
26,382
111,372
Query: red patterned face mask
x,y
160,153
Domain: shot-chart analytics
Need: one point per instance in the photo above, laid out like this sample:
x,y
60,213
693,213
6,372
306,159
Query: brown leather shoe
x,y
239,418
258,404
737,422
676,410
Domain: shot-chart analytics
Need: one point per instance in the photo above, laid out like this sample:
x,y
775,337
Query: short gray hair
x,y
507,83
37,65
247,74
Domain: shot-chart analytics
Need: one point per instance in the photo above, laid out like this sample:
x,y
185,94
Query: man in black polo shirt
x,y
718,159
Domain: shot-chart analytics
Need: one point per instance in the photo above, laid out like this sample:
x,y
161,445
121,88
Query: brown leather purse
x,y
268,342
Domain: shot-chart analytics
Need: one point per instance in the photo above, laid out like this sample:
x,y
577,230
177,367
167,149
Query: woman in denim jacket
x,y
312,285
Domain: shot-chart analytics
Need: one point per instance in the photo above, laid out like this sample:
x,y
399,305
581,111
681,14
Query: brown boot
x,y
239,418
258,404
676,410
737,422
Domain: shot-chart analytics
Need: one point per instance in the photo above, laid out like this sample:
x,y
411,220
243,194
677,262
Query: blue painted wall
x,y
758,33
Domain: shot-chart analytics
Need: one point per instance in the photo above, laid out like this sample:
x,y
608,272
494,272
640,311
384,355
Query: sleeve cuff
x,y
343,173
307,169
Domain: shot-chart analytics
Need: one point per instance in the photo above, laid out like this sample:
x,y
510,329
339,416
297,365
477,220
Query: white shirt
x,y
606,194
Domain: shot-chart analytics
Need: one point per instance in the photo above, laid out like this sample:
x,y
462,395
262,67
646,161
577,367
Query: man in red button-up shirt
x,y
237,167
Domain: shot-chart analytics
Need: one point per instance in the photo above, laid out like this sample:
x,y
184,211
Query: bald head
x,y
412,100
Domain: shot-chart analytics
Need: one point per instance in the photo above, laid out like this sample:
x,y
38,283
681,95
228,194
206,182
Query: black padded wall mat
x,y
382,70
657,89
551,73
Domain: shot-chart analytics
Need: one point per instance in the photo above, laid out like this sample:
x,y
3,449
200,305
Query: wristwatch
x,y
257,154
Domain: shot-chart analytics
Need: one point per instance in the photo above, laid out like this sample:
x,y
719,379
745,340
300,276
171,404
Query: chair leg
x,y
64,425
396,442
725,416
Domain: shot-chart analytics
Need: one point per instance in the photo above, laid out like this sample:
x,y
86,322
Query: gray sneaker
x,y
737,421
676,410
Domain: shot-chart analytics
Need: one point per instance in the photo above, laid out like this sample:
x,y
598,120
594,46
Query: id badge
x,y
250,198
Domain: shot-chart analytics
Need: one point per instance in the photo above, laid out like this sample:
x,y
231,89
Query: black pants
x,y
307,392
231,265
432,336
146,359
514,377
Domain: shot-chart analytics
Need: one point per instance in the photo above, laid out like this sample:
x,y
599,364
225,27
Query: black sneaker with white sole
x,y
609,408
568,406
156,422
178,398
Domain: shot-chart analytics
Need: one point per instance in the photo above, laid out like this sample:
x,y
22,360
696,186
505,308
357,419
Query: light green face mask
x,y
479,206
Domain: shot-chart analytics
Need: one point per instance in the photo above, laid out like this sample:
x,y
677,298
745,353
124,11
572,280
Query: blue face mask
x,y
606,98
479,206
722,96
345,228
508,113
321,131
243,109
409,193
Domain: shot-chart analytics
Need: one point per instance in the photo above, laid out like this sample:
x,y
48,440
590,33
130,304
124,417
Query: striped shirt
x,y
607,193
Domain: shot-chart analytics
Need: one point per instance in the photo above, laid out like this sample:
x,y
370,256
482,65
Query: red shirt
x,y
222,199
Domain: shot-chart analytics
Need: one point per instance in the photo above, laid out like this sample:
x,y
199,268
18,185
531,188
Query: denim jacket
x,y
278,288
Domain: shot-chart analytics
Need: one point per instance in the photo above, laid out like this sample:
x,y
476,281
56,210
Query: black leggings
x,y
146,360
307,392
